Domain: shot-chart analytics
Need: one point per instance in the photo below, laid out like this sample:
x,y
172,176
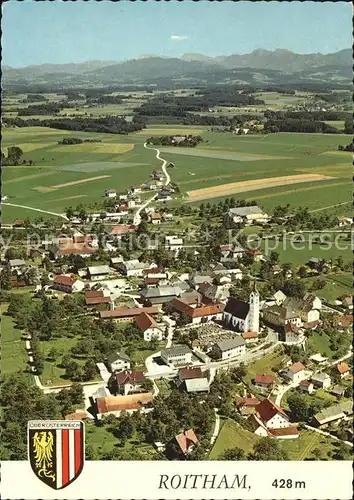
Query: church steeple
x,y
253,322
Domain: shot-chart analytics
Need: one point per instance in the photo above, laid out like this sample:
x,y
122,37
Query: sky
x,y
64,32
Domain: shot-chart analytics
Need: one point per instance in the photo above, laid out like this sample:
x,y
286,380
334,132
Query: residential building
x,y
279,316
279,297
272,415
321,380
250,337
198,279
243,316
229,348
247,405
306,386
264,381
17,264
256,254
293,334
118,362
338,390
68,284
333,413
117,232
214,293
97,273
343,322
186,441
96,298
193,380
177,355
149,328
116,404
110,193
173,243
133,268
155,218
296,372
343,369
197,314
128,382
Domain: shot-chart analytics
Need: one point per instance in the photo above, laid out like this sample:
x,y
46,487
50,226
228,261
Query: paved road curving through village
x,y
137,216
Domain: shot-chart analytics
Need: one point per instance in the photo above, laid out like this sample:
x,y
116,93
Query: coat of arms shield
x,y
56,451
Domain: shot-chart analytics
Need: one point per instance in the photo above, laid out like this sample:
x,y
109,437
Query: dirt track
x,y
253,185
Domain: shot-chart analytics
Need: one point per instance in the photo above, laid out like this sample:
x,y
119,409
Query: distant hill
x,y
259,65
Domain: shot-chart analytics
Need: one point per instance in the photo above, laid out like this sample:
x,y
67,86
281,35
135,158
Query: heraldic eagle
x,y
43,444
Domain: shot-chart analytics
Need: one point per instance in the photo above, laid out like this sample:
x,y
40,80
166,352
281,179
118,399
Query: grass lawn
x,y
103,441
336,285
140,353
265,364
302,447
232,435
320,343
13,350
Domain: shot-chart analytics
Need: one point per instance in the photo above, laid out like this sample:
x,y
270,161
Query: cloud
x,y
179,37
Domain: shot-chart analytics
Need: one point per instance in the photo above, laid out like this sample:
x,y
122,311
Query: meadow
x,y
85,170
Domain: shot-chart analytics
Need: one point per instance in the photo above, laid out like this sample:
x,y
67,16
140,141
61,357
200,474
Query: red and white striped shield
x,y
56,451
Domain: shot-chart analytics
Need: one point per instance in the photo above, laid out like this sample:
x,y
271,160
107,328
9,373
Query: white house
x,y
148,326
279,297
118,362
177,355
155,218
134,267
272,415
68,284
247,215
296,372
230,348
173,243
97,273
110,193
321,380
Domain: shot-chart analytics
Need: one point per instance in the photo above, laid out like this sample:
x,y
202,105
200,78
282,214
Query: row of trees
x,y
170,140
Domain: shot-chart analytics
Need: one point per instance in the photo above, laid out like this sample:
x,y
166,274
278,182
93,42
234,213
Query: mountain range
x,y
259,65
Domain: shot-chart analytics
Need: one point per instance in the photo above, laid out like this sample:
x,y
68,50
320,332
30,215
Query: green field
x,y
13,350
232,435
222,158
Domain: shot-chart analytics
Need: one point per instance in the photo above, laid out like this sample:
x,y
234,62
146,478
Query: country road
x,y
137,217
63,216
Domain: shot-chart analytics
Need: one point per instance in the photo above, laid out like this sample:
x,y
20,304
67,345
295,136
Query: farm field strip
x,y
221,155
82,181
94,147
98,166
240,187
297,190
26,177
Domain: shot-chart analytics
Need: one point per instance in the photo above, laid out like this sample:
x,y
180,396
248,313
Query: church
x,y
242,316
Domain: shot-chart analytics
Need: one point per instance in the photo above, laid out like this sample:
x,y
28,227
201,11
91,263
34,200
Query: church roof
x,y
237,308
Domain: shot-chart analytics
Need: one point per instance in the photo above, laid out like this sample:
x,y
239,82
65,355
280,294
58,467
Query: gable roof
x,y
115,356
250,335
296,367
195,312
228,344
249,401
244,211
145,321
89,294
267,410
262,378
237,308
342,367
125,312
122,229
186,439
61,279
284,431
93,301
129,377
190,373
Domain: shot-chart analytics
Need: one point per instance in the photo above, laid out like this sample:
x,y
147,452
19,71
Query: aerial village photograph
x,y
176,255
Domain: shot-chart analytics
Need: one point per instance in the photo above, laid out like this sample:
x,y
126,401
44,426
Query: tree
x,y
302,272
73,371
89,370
5,278
267,449
183,320
69,212
299,407
274,257
233,454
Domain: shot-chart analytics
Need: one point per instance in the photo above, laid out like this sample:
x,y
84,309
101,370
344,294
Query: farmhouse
x,y
333,413
247,405
229,348
192,380
97,273
306,386
148,326
155,218
247,215
197,314
264,381
186,441
128,315
66,248
67,283
177,355
160,294
116,404
128,382
243,316
117,232
343,369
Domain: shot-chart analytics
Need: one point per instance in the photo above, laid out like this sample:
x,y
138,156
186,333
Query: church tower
x,y
253,315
